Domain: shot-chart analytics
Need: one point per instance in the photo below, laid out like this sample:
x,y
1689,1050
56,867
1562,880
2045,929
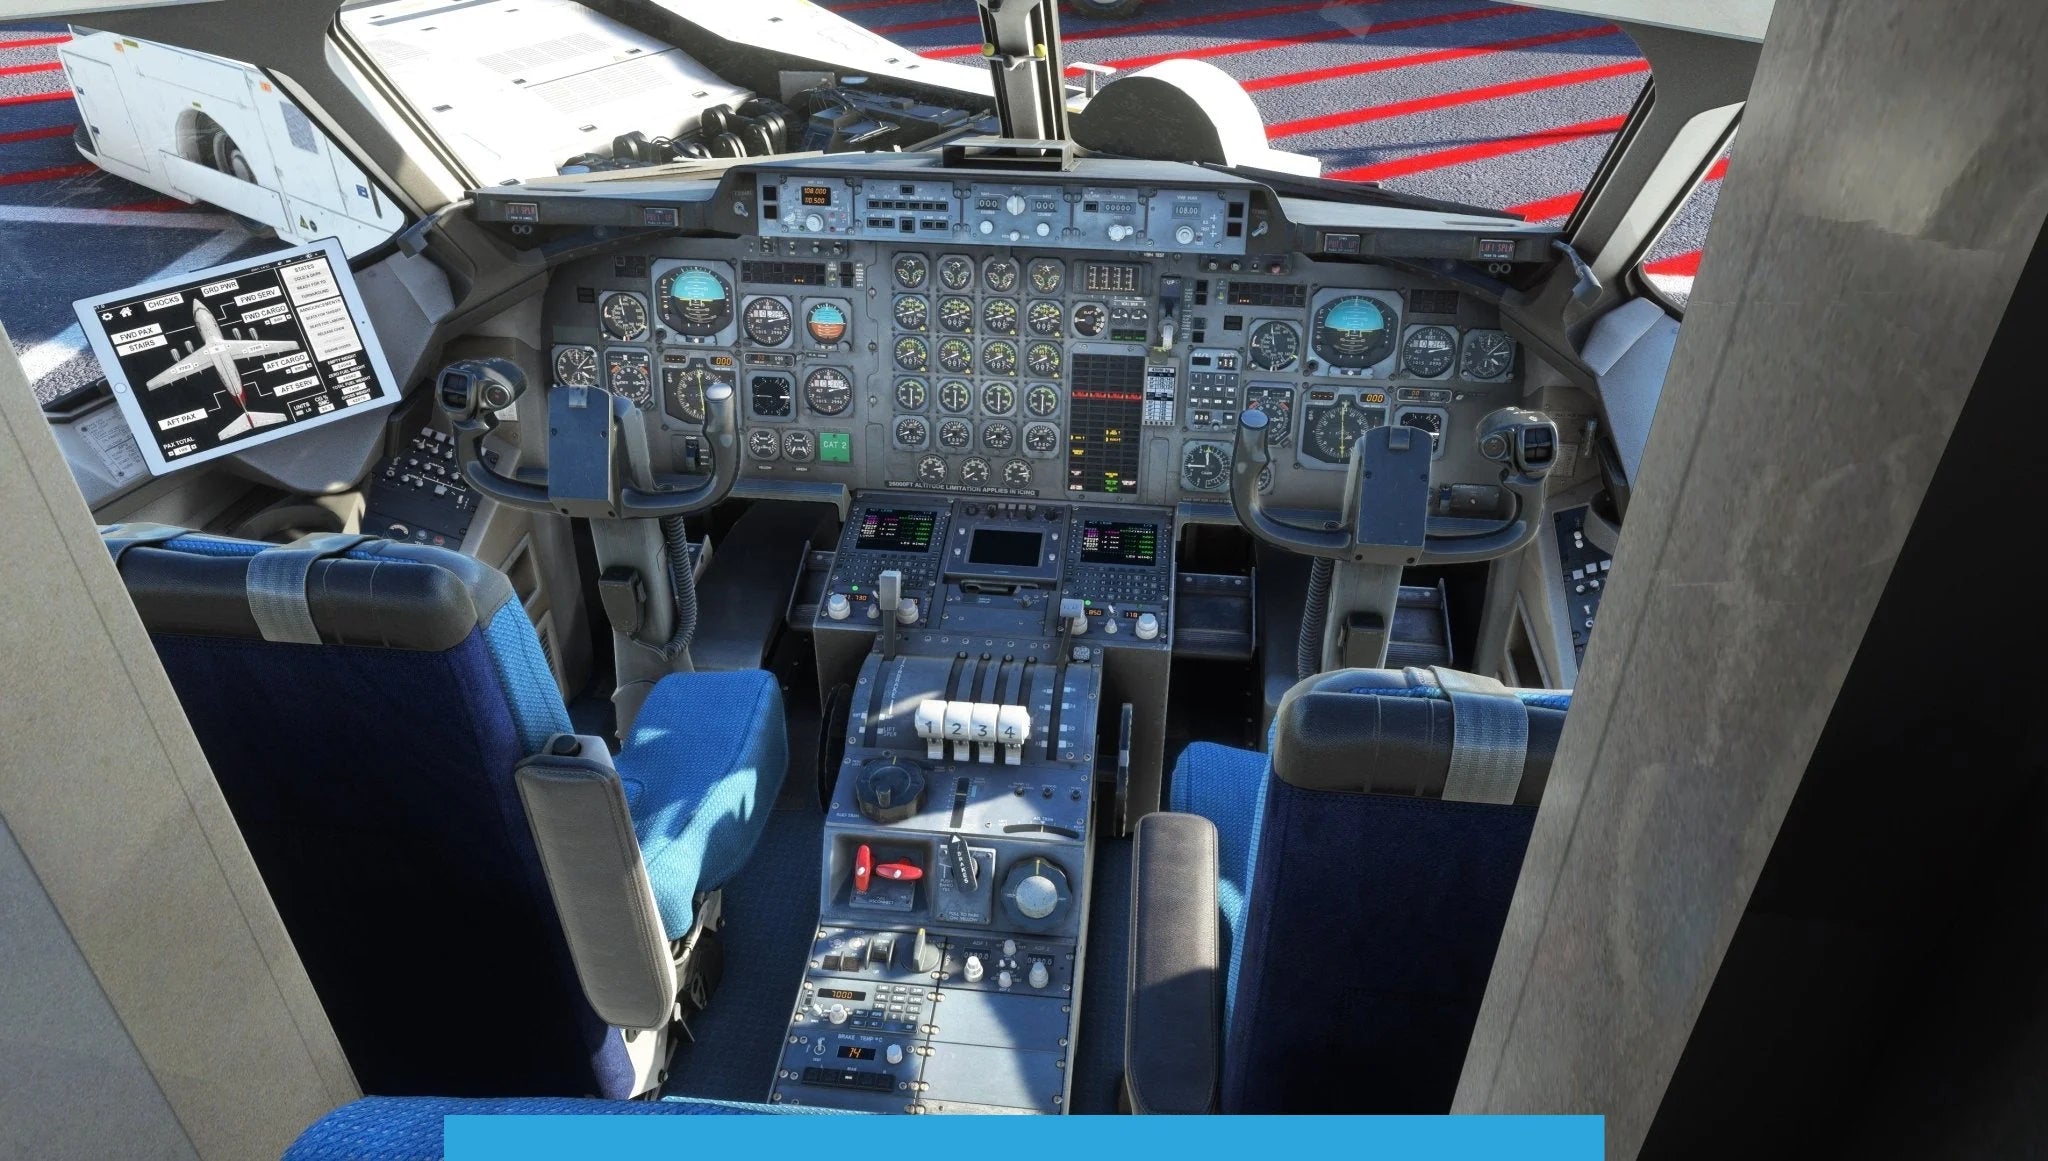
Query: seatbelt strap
x,y
1489,738
277,585
119,538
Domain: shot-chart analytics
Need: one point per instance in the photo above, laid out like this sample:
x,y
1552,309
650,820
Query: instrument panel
x,y
1030,369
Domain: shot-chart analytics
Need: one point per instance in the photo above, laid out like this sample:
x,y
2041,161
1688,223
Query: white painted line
x,y
47,356
73,216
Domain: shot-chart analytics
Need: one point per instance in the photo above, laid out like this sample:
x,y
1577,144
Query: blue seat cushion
x,y
409,1128
1227,786
701,768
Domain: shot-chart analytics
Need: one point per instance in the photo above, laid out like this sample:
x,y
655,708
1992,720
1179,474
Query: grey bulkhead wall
x,y
1886,195
151,1003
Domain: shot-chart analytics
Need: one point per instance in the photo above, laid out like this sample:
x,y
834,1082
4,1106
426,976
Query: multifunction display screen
x,y
856,1052
1108,405
897,530
212,363
1119,542
817,195
1006,547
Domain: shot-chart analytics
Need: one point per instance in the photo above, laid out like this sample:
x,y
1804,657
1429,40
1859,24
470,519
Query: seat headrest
x,y
1379,731
382,593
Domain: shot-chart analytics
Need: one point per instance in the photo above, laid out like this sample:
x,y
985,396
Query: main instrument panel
x,y
1086,343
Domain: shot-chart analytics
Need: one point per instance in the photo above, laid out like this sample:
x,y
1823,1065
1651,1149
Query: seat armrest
x,y
1173,1030
576,806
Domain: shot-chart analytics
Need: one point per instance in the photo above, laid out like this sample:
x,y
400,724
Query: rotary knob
x,y
1185,235
838,607
1039,975
890,790
893,1054
814,223
971,971
837,1013
1037,894
1014,204
1148,626
1119,231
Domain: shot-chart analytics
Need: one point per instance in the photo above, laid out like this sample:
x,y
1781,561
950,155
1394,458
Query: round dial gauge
x,y
1046,275
828,390
931,471
1043,399
683,385
1488,355
1205,467
624,315
1354,332
694,301
999,357
1089,319
955,434
955,272
763,444
1428,351
955,396
1041,438
956,315
912,354
576,367
767,321
1043,359
998,436
1000,274
912,432
911,271
974,471
1275,346
998,398
1333,428
1429,421
957,356
912,312
825,322
999,315
630,374
1017,474
798,444
1278,404
772,396
1044,317
911,394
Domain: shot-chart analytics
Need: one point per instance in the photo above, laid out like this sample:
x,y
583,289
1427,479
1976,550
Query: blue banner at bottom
x,y
519,1138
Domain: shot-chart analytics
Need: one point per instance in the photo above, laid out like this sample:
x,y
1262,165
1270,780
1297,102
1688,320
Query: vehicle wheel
x,y
1105,9
228,158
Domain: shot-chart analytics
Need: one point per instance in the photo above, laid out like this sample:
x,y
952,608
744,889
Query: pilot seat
x,y
1313,928
484,902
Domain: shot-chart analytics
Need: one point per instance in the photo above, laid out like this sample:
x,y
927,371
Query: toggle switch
x,y
863,868
900,872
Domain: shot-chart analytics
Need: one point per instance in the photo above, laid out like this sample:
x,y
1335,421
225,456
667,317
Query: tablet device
x,y
214,362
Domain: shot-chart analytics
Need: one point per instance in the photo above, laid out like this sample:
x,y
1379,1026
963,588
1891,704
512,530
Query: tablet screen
x,y
214,362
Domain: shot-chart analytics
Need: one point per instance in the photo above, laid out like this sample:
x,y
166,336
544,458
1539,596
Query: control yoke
x,y
1386,497
587,427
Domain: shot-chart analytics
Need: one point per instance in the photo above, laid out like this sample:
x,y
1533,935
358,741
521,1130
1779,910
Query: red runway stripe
x,y
36,43
1234,47
43,134
1548,208
1440,56
31,176
1686,264
1458,97
47,66
1445,158
31,98
1169,25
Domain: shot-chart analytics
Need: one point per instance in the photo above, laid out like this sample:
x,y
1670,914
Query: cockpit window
x,y
1493,105
1669,267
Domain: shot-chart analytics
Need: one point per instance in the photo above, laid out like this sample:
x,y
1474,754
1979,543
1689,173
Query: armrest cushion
x,y
1173,1029
577,809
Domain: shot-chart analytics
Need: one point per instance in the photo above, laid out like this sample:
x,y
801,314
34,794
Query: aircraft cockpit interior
x,y
1058,609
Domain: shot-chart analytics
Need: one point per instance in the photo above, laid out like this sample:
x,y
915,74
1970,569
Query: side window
x,y
1669,266
128,161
